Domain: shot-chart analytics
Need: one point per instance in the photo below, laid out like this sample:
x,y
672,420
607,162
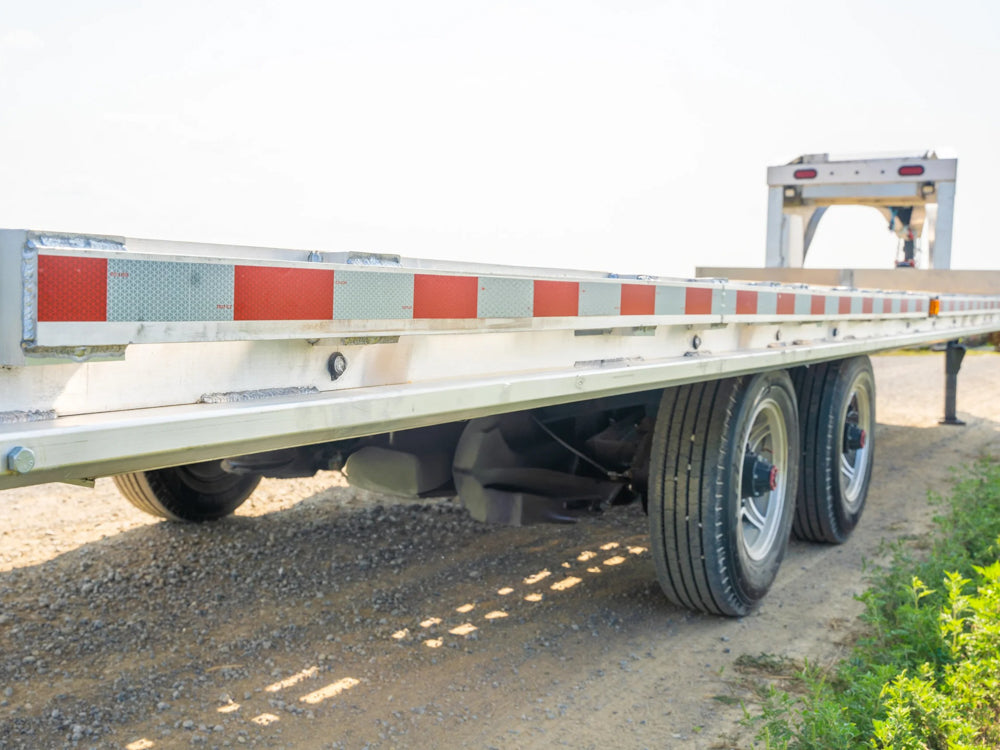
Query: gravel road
x,y
325,617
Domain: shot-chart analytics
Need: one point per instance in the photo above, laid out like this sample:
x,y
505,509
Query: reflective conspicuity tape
x,y
444,297
141,290
638,299
72,288
556,299
505,298
261,293
92,288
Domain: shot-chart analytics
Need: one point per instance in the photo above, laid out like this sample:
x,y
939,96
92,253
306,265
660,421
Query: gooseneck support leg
x,y
953,356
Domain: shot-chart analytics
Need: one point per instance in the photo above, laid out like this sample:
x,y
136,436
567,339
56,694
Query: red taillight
x,y
911,170
805,174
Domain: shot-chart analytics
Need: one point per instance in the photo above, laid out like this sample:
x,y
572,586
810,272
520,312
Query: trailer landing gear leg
x,y
953,356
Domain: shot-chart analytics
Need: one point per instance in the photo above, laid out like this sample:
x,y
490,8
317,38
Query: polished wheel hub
x,y
759,475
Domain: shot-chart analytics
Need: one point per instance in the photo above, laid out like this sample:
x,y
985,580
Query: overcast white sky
x,y
625,135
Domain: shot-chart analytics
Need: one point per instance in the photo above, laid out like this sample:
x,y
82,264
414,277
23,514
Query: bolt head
x,y
20,460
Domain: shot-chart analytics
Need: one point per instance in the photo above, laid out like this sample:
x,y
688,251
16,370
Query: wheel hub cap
x,y
759,476
854,438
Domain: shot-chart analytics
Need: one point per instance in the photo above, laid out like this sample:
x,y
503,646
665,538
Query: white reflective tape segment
x,y
670,300
372,295
160,291
803,303
600,298
505,298
767,303
723,301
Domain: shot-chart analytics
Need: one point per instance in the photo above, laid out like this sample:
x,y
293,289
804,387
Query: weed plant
x,y
926,673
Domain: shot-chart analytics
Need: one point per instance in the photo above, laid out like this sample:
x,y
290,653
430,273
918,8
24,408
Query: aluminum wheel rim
x,y
761,517
854,462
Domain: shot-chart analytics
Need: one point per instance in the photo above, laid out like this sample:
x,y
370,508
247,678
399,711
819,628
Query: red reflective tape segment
x,y
270,293
867,305
817,305
72,289
638,299
445,296
844,306
698,301
786,303
746,302
555,299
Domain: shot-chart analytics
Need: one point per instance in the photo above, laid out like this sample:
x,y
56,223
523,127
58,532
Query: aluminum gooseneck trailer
x,y
735,412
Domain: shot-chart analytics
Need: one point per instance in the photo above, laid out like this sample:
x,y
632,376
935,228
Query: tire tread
x,y
161,494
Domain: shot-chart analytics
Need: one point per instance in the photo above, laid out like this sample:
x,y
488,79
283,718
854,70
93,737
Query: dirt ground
x,y
325,617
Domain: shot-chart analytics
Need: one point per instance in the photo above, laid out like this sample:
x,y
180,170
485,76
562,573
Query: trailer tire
x,y
716,544
836,400
194,492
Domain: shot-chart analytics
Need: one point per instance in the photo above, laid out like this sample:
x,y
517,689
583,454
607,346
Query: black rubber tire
x,y
829,502
194,492
696,509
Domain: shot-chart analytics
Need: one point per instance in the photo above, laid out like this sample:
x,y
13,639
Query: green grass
x,y
926,672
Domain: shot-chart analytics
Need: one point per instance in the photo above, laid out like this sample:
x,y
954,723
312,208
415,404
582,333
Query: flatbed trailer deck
x,y
733,410
101,343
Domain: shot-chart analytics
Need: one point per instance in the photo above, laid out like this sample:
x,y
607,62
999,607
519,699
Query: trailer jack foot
x,y
953,356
